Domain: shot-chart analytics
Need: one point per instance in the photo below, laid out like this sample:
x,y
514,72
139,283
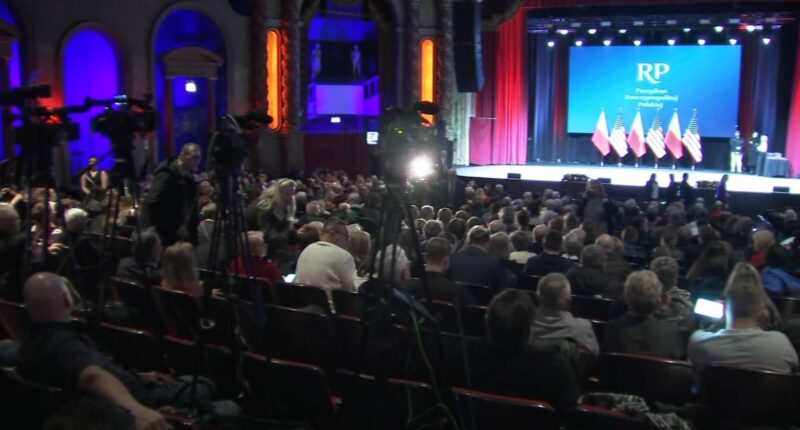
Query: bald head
x,y
47,297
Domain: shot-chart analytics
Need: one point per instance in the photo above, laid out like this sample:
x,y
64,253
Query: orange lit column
x,y
273,79
427,73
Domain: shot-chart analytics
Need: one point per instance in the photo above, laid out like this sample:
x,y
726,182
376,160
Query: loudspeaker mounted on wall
x,y
467,45
514,176
780,189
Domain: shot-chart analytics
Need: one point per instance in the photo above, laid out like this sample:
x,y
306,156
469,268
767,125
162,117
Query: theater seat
x,y
27,404
585,417
654,378
347,303
528,282
15,319
287,390
297,296
742,398
130,347
483,410
137,299
595,308
215,362
354,356
482,293
299,335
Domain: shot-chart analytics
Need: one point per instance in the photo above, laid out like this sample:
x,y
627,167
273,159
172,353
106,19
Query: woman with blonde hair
x,y
358,244
179,270
276,206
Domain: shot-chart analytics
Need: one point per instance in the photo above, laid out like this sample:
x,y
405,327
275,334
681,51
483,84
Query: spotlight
x,y
701,41
190,87
638,23
336,120
622,31
592,31
551,44
672,22
766,40
607,42
420,167
637,42
605,23
750,28
704,21
687,29
579,42
563,32
718,29
670,41
732,41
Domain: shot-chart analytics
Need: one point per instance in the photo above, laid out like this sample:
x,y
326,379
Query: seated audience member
x,y
638,331
56,353
777,276
573,245
261,266
668,247
179,270
553,319
678,307
475,265
712,266
12,252
143,267
743,343
432,228
358,245
85,252
500,245
616,268
395,265
505,364
326,263
589,278
205,230
437,260
458,227
762,240
307,235
521,241
550,261
538,237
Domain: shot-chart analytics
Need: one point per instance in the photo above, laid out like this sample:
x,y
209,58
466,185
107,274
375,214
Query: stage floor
x,y
629,175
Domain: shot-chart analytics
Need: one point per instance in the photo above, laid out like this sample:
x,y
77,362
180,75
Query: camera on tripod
x,y
409,143
126,121
228,146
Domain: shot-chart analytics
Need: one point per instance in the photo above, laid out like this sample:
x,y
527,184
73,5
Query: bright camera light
x,y
637,42
670,42
718,29
766,40
701,42
732,41
592,30
579,43
551,44
606,42
420,167
190,87
563,32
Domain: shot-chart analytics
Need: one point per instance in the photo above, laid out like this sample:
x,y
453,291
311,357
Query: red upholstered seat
x,y
483,410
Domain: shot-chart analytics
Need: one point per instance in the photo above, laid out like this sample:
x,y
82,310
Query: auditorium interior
x,y
399,214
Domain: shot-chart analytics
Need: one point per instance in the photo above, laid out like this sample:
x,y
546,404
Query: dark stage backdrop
x,y
763,105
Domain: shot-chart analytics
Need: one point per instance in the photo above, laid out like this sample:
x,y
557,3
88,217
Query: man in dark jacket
x,y
639,332
170,204
437,259
550,261
475,265
590,279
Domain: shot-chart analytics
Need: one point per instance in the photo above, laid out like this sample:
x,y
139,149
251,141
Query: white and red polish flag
x,y
600,136
673,139
636,136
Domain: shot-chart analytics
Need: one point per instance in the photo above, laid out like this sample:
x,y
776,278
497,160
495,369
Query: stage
x,y
630,176
750,194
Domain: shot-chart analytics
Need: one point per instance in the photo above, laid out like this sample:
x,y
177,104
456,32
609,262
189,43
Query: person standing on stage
x,y
94,184
686,191
170,204
651,189
736,146
672,189
752,153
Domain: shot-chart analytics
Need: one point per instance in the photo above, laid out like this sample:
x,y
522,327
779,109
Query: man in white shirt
x,y
327,263
742,343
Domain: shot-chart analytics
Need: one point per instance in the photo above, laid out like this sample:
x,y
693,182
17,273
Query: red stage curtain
x,y
504,97
480,140
339,151
793,132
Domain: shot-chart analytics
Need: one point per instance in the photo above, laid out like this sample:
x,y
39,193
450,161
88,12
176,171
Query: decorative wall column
x,y
258,54
446,69
412,75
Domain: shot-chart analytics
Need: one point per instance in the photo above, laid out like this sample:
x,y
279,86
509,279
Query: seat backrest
x,y
283,389
787,306
585,417
595,308
216,362
482,293
383,353
131,348
15,319
137,300
23,395
368,403
743,397
483,410
300,335
528,282
179,312
347,303
299,296
654,378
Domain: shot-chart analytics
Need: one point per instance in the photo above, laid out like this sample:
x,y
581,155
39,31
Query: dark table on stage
x,y
772,165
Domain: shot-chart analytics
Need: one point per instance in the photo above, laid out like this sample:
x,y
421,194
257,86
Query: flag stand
x,y
636,164
619,160
673,162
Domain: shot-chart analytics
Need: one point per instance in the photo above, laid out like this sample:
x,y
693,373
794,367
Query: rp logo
x,y
651,72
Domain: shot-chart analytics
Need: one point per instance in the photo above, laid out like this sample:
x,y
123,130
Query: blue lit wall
x,y
191,112
180,29
15,63
91,69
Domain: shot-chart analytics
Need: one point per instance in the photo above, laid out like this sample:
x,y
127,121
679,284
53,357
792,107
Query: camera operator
x,y
170,203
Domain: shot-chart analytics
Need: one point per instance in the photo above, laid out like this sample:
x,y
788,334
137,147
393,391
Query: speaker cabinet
x,y
467,45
